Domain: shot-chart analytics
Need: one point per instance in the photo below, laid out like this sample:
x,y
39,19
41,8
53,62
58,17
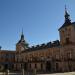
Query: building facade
x,y
56,56
7,60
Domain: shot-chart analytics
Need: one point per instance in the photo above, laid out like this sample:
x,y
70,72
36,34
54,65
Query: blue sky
x,y
40,20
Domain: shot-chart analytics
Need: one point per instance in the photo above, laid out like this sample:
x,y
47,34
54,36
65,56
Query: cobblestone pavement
x,y
68,73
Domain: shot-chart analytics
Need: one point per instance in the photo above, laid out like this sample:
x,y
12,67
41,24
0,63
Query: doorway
x,y
48,66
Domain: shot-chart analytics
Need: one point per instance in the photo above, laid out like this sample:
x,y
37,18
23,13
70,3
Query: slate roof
x,y
66,24
43,46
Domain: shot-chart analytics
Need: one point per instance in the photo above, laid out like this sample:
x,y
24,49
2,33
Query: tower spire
x,y
22,31
67,16
67,20
22,35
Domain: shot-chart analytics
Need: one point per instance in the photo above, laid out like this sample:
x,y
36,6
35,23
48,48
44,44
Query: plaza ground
x,y
68,73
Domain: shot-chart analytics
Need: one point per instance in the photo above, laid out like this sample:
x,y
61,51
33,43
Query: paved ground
x,y
69,73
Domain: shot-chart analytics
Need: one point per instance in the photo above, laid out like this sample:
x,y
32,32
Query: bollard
x,y
34,72
22,71
8,71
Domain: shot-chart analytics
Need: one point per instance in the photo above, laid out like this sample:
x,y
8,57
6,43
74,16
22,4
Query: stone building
x,y
7,59
56,56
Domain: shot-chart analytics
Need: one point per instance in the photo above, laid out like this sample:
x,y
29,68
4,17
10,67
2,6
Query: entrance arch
x,y
48,66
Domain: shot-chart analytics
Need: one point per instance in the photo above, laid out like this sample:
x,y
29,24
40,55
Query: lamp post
x,y
8,71
23,72
34,71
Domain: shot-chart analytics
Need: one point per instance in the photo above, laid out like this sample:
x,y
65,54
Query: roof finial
x,y
67,16
22,35
65,8
66,13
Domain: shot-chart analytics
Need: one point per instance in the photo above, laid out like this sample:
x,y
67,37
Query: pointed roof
x,y
22,36
22,40
67,21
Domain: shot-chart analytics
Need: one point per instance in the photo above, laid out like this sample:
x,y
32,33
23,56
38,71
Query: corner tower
x,y
22,44
67,30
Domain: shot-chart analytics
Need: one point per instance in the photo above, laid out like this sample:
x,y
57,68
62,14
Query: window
x,y
30,66
35,65
57,67
68,34
69,29
57,56
67,41
16,59
41,66
21,65
65,28
69,56
62,32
